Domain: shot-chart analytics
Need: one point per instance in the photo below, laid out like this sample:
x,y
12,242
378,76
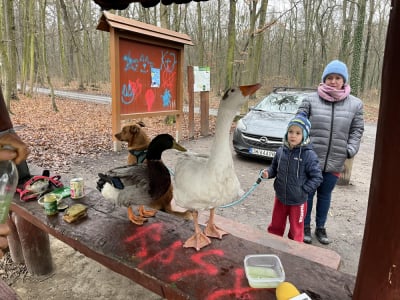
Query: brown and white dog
x,y
137,140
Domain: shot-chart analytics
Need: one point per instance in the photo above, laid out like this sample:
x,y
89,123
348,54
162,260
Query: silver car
x,y
260,132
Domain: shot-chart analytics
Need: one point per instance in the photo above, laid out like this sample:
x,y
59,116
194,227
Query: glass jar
x,y
8,185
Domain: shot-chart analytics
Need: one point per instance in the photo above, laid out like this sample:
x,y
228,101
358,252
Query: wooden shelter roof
x,y
108,20
122,4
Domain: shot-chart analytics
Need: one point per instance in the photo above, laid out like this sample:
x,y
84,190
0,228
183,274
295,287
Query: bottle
x,y
8,186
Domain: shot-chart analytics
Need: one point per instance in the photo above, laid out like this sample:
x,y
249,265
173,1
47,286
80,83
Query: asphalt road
x,y
101,99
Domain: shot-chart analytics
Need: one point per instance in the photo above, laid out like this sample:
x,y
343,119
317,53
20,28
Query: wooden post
x,y
379,268
115,92
35,246
14,243
191,100
204,113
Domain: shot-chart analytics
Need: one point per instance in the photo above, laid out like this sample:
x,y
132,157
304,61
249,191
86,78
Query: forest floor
x,y
76,141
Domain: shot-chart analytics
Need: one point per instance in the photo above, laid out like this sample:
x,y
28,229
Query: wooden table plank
x,y
326,257
152,255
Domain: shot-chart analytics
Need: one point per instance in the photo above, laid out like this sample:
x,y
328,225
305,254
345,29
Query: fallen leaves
x,y
79,131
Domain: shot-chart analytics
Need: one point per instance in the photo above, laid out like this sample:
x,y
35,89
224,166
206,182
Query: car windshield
x,y
287,103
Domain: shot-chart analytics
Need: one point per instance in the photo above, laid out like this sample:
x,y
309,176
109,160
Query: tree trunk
x,y
367,44
220,80
5,50
26,37
231,44
200,39
358,38
32,39
12,50
74,46
309,19
64,66
164,18
248,50
42,43
259,41
347,22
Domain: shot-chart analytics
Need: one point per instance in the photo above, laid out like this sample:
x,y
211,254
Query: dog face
x,y
134,135
136,138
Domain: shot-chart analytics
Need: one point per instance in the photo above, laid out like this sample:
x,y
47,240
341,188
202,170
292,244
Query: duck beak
x,y
248,90
178,147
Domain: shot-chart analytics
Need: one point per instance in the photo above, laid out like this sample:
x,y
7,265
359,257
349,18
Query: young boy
x,y
297,173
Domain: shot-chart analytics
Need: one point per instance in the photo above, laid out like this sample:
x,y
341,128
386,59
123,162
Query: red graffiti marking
x,y
203,267
165,257
152,232
150,98
136,87
168,80
237,291
168,256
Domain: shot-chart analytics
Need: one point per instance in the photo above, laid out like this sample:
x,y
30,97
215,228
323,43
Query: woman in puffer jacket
x,y
338,125
296,170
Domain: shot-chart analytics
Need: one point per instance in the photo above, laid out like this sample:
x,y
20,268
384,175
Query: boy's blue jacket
x,y
297,173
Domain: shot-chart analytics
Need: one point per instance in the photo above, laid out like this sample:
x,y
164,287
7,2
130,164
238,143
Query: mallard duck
x,y
206,183
146,184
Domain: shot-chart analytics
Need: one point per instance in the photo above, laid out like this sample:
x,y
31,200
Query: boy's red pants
x,y
296,214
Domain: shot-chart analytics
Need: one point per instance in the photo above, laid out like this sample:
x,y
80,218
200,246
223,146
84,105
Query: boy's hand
x,y
264,174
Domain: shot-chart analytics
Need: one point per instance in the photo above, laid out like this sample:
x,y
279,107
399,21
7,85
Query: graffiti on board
x,y
148,77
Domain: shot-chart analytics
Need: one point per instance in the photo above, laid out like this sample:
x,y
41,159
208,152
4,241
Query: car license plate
x,y
262,152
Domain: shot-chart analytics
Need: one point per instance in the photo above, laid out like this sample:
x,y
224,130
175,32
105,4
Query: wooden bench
x,y
152,255
320,255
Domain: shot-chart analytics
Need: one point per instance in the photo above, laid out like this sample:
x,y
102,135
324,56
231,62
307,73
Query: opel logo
x,y
264,139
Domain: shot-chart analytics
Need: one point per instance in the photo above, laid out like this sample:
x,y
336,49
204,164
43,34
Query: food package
x,y
75,212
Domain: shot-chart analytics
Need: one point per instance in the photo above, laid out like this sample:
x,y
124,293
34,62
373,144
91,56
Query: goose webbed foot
x,y
214,231
138,220
146,213
211,229
197,241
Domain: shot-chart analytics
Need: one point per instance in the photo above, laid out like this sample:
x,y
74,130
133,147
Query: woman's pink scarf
x,y
331,94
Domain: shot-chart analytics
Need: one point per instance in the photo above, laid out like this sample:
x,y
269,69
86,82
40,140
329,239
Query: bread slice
x,y
75,212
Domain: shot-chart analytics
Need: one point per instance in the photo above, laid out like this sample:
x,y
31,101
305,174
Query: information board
x,y
148,77
201,79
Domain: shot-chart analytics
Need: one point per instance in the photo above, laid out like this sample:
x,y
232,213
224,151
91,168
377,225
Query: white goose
x,y
206,183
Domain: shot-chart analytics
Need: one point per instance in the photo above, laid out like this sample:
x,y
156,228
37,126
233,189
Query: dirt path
x,y
77,277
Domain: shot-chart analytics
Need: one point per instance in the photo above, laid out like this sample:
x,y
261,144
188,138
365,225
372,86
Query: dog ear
x,y
141,124
134,129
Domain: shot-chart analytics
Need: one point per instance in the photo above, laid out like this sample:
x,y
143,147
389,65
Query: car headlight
x,y
241,125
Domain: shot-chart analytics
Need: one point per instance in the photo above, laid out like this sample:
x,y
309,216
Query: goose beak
x,y
248,90
178,147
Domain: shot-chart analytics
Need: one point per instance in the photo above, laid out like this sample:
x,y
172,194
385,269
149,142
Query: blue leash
x,y
245,195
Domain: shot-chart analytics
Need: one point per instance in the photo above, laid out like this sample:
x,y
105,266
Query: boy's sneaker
x,y
307,235
321,235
